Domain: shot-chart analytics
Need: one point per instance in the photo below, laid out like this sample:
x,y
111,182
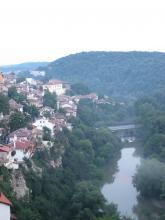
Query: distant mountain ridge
x,y
118,74
22,67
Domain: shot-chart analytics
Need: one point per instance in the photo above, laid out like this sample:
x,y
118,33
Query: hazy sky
x,y
33,30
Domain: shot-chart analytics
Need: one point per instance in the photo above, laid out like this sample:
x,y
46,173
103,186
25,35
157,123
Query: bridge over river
x,y
125,132
123,127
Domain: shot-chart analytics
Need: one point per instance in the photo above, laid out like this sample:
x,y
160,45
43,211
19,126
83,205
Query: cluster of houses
x,y
23,142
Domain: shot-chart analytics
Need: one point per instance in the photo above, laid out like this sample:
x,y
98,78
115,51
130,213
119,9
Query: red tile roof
x,y
22,145
4,149
4,200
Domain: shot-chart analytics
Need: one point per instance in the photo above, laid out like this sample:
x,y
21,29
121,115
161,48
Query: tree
x,y
87,202
17,120
4,104
155,146
13,94
46,114
31,110
79,89
150,178
50,99
46,134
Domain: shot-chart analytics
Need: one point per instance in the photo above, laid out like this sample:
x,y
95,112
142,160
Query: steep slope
x,y
118,74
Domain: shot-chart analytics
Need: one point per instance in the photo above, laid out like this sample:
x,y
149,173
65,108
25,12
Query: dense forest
x,y
150,177
123,75
71,191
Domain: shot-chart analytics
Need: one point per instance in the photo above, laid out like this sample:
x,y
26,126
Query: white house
x,y
23,149
31,81
4,207
7,159
42,122
54,86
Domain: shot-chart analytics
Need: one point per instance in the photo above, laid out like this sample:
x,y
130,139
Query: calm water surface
x,y
121,191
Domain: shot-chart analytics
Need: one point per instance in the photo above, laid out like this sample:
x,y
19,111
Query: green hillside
x,y
118,74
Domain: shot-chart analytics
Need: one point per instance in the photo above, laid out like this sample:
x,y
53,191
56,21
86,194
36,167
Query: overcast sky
x,y
38,30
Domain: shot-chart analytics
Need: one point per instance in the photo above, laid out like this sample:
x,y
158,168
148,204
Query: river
x,y
121,191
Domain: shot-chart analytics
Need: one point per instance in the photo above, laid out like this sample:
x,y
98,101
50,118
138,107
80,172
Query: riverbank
x,y
121,191
118,187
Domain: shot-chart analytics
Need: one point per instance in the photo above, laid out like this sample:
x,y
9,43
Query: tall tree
x,y
17,120
13,94
4,104
50,99
31,110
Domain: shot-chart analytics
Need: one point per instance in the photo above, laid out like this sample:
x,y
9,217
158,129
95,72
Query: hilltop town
x,y
47,117
32,113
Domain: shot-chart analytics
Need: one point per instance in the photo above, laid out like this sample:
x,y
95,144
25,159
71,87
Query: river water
x,y
121,191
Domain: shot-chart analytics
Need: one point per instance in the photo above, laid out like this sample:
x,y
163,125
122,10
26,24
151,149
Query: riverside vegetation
x,y
73,190
150,177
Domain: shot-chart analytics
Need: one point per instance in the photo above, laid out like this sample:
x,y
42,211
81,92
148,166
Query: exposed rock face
x,y
19,184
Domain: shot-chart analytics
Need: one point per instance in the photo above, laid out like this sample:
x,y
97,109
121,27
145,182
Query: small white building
x,y
55,86
23,149
42,122
31,81
4,207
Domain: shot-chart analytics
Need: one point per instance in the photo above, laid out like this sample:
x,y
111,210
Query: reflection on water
x,y
121,191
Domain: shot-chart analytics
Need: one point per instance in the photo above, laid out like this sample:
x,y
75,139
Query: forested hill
x,y
118,74
22,66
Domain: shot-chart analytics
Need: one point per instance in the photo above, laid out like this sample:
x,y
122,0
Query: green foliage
x,y
4,104
31,110
155,146
17,120
150,179
18,97
100,115
12,92
151,117
73,188
71,191
50,99
87,202
87,113
5,183
123,75
79,89
46,114
46,134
